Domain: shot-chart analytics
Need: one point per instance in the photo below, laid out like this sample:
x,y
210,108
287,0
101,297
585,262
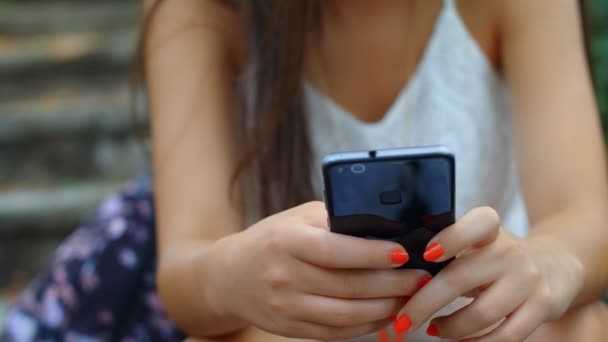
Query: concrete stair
x,y
67,137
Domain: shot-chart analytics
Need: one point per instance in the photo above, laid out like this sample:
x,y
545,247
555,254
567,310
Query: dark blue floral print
x,y
101,283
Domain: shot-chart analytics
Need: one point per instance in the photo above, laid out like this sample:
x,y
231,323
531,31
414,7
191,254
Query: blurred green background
x,y
66,138
597,29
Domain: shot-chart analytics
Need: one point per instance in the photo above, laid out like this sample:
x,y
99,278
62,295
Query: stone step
x,y
71,133
19,52
31,66
68,110
51,211
36,17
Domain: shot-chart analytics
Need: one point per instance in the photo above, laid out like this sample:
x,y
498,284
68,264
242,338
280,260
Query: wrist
x,y
562,270
213,273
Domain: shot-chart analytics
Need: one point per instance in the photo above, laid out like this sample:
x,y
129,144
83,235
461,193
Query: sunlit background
x,y
66,136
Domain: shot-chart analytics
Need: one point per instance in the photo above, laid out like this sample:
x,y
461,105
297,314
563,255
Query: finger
x,y
337,312
359,284
476,228
464,274
315,331
519,325
492,305
313,213
331,250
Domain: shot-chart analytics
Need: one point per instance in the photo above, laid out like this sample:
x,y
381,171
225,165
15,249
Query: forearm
x,y
185,284
583,234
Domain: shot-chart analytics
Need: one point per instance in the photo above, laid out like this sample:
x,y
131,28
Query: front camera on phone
x,y
357,168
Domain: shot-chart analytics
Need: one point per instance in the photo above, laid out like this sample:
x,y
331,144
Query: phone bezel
x,y
393,154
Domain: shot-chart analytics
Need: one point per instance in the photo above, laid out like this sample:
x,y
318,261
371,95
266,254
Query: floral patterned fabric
x,y
101,283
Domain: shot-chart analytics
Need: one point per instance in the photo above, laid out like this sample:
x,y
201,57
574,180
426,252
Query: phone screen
x,y
407,200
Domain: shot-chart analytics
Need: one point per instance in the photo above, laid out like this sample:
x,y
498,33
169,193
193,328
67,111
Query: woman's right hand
x,y
289,275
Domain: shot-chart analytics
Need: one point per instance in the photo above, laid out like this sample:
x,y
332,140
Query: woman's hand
x,y
289,275
518,283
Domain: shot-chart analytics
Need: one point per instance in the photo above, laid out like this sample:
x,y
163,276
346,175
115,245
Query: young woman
x,y
246,97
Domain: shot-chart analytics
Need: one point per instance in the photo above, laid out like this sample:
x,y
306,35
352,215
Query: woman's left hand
x,y
519,283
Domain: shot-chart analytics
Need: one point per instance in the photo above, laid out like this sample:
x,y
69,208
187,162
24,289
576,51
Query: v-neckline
x,y
407,88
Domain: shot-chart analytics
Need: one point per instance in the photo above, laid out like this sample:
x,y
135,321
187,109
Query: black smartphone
x,y
404,195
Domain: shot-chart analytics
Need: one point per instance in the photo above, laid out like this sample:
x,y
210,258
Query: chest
x,y
365,68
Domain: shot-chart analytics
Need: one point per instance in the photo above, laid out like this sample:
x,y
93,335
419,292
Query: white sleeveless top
x,y
455,98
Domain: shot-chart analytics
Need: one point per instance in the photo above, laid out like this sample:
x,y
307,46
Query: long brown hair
x,y
270,127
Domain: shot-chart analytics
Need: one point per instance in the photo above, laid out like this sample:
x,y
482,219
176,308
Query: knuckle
x,y
533,275
513,251
483,316
278,308
544,297
273,241
348,287
276,277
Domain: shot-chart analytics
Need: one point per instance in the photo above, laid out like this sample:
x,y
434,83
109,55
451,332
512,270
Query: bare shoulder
x,y
514,15
489,21
205,20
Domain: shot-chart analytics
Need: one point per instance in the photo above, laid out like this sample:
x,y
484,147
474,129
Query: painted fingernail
x,y
399,256
383,336
433,252
402,324
424,281
432,330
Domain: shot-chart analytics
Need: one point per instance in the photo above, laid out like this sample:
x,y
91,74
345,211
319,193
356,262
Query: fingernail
x,y
433,252
424,281
406,299
402,324
383,336
399,256
432,330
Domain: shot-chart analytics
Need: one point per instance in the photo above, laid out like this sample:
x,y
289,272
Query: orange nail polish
x,y
399,256
424,281
402,324
433,252
432,330
383,336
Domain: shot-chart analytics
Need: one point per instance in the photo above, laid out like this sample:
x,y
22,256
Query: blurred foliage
x,y
597,28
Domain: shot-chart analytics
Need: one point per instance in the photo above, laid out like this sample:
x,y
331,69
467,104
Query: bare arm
x,y
527,282
190,68
559,147
215,278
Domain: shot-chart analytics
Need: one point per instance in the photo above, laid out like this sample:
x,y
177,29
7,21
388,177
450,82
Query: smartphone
x,y
405,195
